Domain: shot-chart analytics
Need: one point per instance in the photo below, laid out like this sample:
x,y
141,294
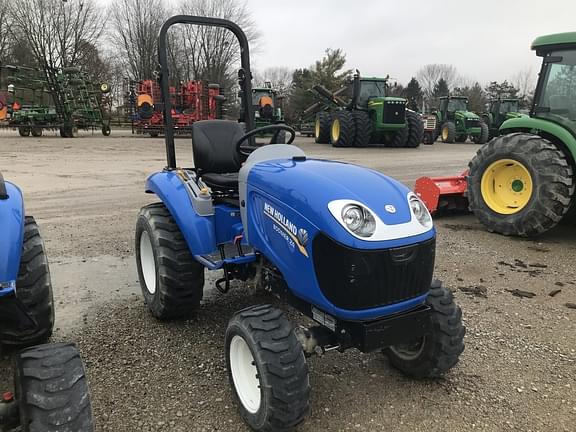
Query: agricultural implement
x,y
369,117
457,124
355,254
522,182
51,390
57,99
191,101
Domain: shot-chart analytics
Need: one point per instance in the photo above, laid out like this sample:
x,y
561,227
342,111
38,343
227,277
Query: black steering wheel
x,y
245,150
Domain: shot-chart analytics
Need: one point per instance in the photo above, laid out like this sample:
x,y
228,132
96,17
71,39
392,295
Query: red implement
x,y
443,193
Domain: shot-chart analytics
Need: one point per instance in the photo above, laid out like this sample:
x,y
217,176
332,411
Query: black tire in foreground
x,y
484,134
434,354
363,125
172,281
322,127
52,390
552,188
267,369
415,129
342,129
448,132
33,289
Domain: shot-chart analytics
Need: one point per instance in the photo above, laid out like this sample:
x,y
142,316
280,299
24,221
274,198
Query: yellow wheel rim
x,y
335,130
506,186
445,133
317,128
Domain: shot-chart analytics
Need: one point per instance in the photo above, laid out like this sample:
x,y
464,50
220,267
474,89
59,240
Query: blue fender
x,y
198,230
11,233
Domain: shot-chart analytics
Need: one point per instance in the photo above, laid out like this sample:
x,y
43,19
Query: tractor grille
x,y
394,112
472,123
356,279
430,123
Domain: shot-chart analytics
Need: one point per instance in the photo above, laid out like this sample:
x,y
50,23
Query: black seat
x,y
215,154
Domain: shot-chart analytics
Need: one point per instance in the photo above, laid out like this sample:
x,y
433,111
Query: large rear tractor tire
x,y
363,125
52,390
520,184
34,290
415,129
322,128
436,353
342,129
267,369
172,281
448,132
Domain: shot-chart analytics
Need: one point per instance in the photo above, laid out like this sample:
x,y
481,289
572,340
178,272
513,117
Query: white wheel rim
x,y
245,374
409,351
147,262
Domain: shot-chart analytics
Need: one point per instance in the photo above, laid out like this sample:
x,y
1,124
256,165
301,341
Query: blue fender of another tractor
x,y
11,235
198,230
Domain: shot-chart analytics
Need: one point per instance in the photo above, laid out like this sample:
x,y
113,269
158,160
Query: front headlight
x,y
420,211
359,220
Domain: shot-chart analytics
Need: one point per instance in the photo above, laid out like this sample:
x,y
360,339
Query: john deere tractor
x,y
522,182
267,105
370,117
500,110
457,124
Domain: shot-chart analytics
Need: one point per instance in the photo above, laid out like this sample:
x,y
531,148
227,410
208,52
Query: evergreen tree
x,y
414,94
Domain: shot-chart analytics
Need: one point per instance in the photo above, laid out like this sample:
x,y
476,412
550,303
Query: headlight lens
x,y
420,211
358,220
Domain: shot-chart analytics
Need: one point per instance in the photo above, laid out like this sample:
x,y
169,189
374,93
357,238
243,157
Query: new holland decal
x,y
288,230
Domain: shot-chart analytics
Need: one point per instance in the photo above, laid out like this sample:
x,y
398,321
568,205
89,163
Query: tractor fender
x,y
198,230
11,233
537,126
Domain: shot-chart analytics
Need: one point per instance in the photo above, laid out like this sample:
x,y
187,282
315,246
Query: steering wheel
x,y
245,150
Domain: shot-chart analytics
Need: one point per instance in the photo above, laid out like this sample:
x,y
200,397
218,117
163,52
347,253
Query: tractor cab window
x,y
457,105
371,89
508,106
556,100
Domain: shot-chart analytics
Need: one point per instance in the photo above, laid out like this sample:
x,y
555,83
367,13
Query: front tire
x,y
484,134
439,351
415,129
267,369
363,125
448,132
52,390
520,184
24,131
33,289
172,281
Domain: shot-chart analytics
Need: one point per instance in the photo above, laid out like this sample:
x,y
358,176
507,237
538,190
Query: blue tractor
x,y
344,245
51,390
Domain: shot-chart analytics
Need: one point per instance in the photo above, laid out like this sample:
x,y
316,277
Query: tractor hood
x,y
466,115
513,115
314,192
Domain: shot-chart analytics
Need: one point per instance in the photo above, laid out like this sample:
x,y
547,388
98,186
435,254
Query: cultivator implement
x,y
443,193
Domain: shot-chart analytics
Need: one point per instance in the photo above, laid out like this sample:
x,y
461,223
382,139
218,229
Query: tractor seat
x,y
214,150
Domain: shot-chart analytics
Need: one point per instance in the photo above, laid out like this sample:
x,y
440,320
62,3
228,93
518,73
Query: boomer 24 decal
x,y
284,227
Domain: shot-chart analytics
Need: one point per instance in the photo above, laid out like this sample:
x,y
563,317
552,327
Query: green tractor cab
x,y
370,117
522,182
457,124
267,106
499,111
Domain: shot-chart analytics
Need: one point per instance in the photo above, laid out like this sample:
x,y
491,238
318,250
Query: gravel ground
x,y
518,371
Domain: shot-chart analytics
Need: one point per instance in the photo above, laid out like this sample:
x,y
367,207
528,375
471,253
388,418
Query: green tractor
x,y
267,106
457,124
499,111
522,182
370,117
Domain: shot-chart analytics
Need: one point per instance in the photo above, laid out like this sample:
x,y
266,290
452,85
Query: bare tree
x,y
525,81
134,33
56,31
279,77
4,33
429,75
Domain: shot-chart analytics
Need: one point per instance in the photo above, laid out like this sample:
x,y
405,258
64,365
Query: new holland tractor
x,y
346,246
370,117
499,111
51,390
522,182
457,124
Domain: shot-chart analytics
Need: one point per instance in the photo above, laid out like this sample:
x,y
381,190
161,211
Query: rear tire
x,y
342,129
550,174
448,132
33,289
322,128
24,131
415,129
267,369
52,390
172,281
438,352
363,125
